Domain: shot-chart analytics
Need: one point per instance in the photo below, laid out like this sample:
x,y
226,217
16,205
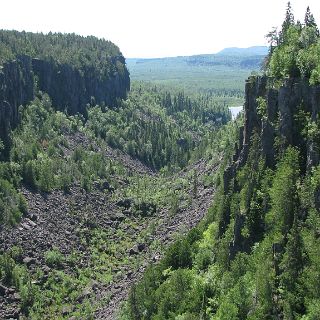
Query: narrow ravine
x,y
166,232
68,222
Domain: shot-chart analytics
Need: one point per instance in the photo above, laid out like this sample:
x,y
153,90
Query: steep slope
x,y
256,255
73,70
87,200
168,227
17,88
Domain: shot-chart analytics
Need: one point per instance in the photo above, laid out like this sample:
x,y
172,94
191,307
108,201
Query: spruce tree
x,y
288,21
309,21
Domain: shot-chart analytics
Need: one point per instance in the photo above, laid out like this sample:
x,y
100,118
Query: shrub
x,y
12,203
54,258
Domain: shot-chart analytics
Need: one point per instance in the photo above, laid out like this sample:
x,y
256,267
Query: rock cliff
x,y
280,119
278,116
69,88
16,88
72,89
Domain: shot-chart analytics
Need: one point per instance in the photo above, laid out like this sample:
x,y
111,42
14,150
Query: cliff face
x,y
70,89
279,117
16,88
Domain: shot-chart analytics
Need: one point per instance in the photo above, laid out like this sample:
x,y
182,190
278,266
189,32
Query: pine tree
x,y
288,21
134,304
292,265
309,21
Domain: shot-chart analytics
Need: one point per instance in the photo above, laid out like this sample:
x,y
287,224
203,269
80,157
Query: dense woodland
x,y
95,151
295,50
219,75
255,254
77,51
160,130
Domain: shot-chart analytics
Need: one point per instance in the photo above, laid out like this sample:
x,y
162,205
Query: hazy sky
x,y
157,28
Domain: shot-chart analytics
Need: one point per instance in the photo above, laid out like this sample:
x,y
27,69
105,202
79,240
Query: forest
x,y
132,199
255,255
221,75
77,51
88,190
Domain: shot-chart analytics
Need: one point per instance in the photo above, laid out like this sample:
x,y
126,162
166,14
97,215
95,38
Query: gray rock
x,y
141,246
66,310
31,223
3,290
16,88
134,250
29,261
85,294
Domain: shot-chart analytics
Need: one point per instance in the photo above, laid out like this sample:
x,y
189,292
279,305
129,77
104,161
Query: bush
x,y
6,268
28,295
54,258
179,255
12,203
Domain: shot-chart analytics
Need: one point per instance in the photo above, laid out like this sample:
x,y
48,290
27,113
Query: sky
x,y
157,28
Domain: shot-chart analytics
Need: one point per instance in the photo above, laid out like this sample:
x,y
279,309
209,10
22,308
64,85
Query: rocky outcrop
x,y
72,89
69,88
282,108
16,88
287,111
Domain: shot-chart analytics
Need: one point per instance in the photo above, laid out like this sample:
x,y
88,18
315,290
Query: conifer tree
x,y
288,21
309,21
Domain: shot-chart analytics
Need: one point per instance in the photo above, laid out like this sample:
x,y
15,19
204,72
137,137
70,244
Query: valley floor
x,y
101,246
167,228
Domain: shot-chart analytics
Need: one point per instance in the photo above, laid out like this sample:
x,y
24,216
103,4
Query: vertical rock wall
x,y
16,88
70,89
282,123
283,106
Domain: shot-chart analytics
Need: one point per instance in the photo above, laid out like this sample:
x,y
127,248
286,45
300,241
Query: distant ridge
x,y
250,51
240,58
201,72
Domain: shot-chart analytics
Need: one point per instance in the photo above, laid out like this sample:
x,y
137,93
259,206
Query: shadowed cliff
x,y
73,70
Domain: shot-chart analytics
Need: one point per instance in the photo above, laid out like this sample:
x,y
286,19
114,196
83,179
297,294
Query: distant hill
x,y
226,70
251,51
239,58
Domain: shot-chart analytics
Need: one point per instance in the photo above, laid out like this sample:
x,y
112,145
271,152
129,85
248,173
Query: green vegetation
x,y
74,50
53,151
256,255
12,203
14,274
53,258
38,150
279,264
160,129
295,50
150,125
149,160
218,75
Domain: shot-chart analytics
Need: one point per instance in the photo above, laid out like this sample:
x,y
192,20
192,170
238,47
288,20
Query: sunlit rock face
x,y
279,119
